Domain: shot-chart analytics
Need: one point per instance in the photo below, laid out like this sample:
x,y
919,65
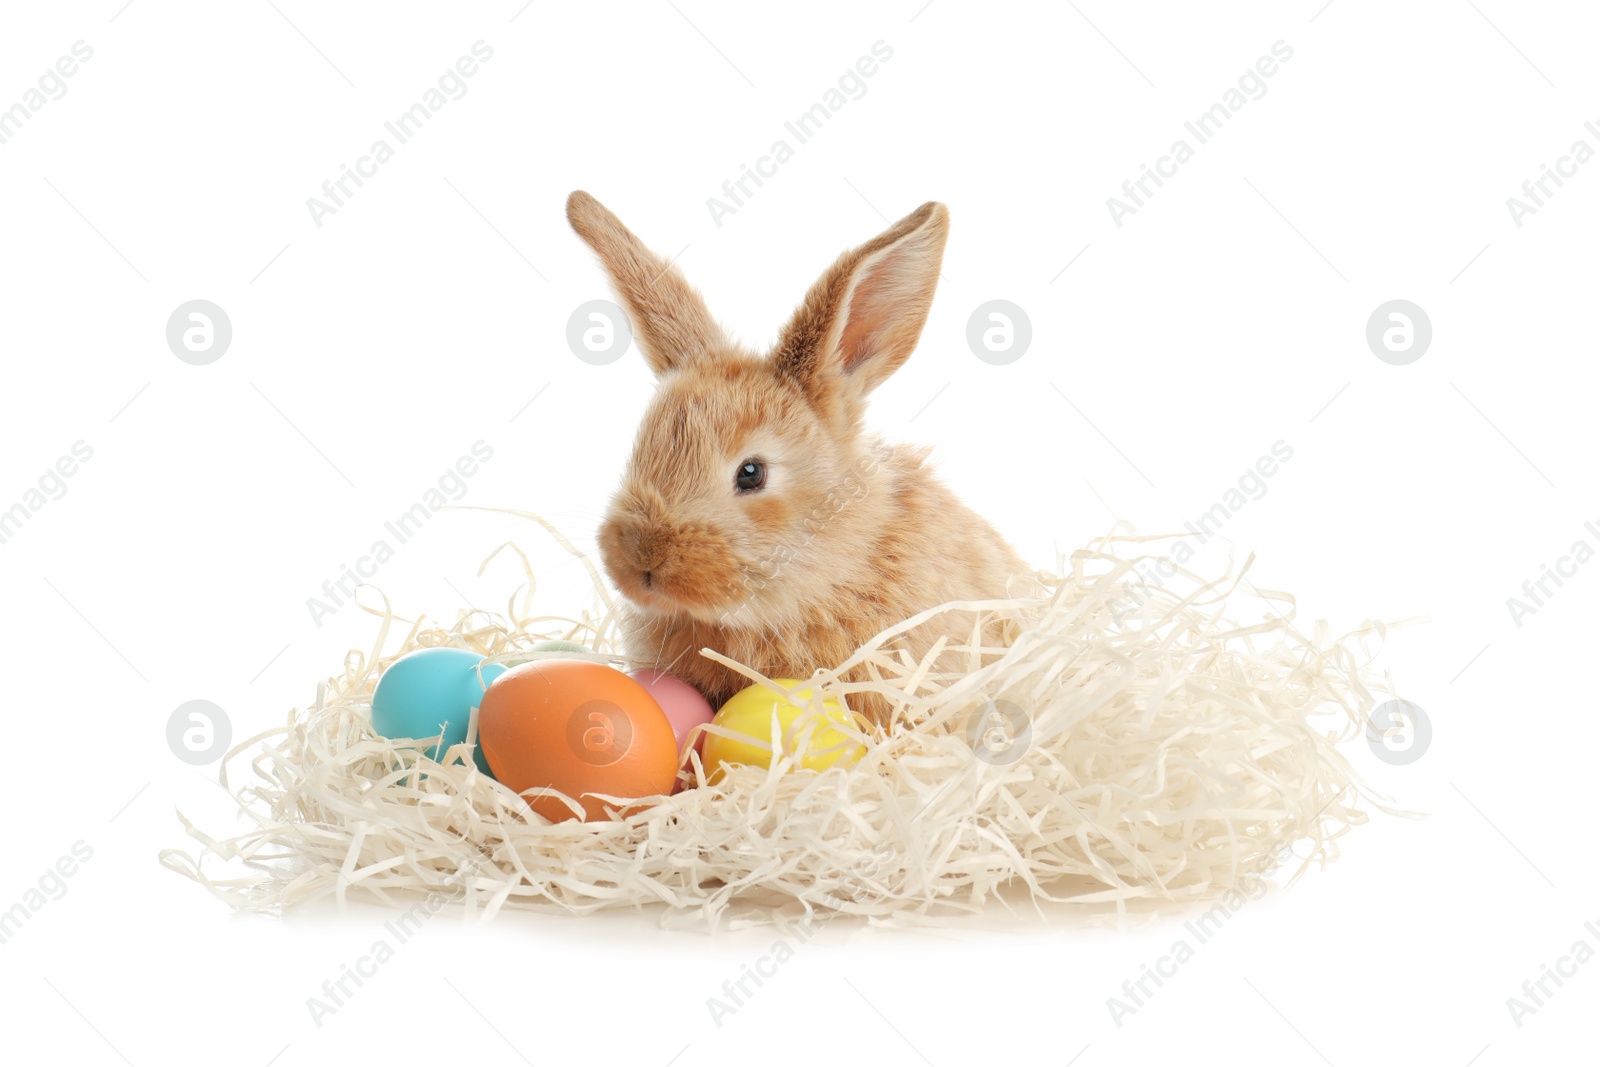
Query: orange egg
x,y
579,727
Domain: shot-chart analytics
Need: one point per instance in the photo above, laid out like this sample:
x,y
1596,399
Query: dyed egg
x,y
545,647
554,645
750,713
431,693
685,708
578,727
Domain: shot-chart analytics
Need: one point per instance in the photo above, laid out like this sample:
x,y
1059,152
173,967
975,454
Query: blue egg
x,y
431,693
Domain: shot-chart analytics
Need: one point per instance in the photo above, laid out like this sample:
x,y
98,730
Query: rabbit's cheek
x,y
696,571
769,513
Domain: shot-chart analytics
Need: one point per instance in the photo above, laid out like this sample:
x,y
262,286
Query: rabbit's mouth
x,y
671,595
676,571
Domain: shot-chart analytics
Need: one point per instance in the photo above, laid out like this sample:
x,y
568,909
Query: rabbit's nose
x,y
645,550
648,545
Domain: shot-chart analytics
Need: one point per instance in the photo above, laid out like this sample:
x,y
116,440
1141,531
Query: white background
x,y
368,354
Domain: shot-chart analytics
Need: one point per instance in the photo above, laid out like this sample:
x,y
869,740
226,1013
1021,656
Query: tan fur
x,y
669,318
849,536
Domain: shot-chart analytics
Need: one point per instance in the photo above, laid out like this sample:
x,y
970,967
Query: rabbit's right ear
x,y
862,318
670,320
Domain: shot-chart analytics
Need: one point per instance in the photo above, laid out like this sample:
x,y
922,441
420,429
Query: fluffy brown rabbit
x,y
754,517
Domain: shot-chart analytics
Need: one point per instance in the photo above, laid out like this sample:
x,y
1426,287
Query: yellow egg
x,y
750,713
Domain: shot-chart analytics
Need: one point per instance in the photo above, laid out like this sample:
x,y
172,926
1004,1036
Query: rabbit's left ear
x,y
670,320
863,317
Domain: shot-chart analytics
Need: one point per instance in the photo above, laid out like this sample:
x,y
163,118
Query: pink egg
x,y
683,704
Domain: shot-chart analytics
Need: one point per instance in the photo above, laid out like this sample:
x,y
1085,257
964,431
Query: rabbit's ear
x,y
670,320
863,317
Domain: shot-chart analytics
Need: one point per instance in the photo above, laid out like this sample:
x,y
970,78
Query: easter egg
x,y
682,703
431,693
547,649
578,727
750,713
555,645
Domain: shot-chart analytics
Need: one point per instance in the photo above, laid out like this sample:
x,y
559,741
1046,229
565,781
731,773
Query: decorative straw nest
x,y
1135,741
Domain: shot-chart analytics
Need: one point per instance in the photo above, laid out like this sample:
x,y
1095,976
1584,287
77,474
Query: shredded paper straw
x,y
1145,735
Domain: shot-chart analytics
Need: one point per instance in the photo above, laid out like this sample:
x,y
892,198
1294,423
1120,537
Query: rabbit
x,y
755,517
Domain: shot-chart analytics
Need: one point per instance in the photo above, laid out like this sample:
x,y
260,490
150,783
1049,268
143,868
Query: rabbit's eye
x,y
751,475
